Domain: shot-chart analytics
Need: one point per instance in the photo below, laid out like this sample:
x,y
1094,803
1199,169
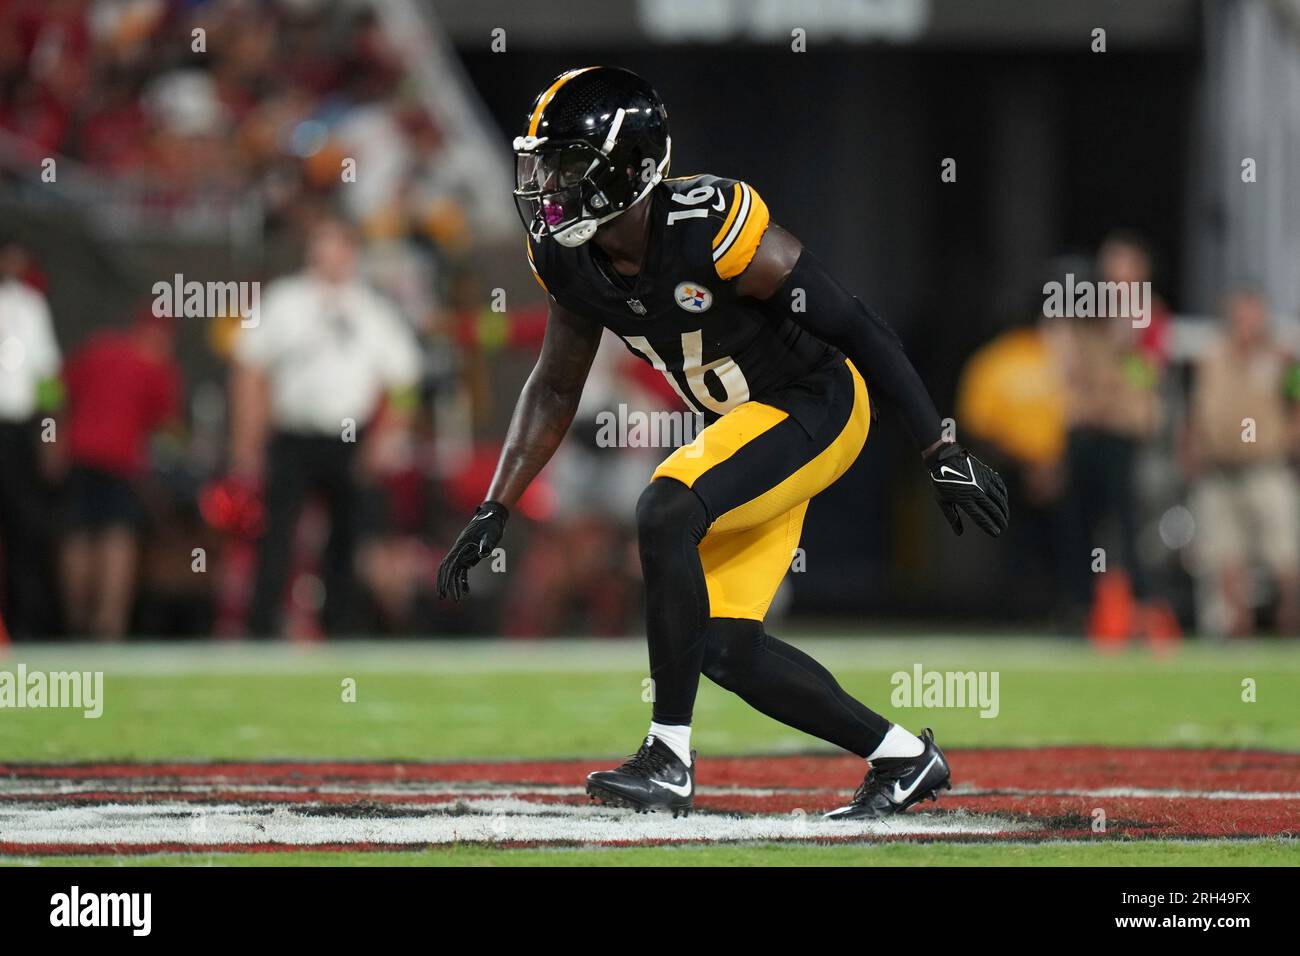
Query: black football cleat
x,y
895,783
653,778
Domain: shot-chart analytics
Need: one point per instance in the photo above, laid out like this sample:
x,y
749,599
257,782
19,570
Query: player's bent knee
x,y
668,510
730,650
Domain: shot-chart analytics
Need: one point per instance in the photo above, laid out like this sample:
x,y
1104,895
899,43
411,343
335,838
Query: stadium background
x,y
1056,147
128,157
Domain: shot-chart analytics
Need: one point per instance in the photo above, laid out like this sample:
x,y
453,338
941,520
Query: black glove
x,y
475,543
964,483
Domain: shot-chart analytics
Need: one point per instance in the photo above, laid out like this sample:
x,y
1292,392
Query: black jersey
x,y
682,313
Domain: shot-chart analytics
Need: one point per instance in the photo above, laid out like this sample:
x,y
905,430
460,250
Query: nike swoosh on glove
x,y
964,483
475,543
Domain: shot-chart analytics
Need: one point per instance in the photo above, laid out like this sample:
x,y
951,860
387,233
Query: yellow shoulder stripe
x,y
737,241
545,99
731,217
528,245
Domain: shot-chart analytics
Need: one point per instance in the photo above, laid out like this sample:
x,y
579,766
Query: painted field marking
x,y
20,787
191,806
480,821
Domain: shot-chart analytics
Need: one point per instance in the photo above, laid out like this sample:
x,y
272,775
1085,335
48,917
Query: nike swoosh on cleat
x,y
681,789
900,794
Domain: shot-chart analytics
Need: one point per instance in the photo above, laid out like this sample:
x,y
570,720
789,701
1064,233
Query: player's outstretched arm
x,y
794,284
542,416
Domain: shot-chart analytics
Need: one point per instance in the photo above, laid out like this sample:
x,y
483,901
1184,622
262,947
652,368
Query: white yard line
x,y
478,821
1135,792
20,787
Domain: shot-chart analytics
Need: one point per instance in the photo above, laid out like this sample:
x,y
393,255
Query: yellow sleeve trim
x,y
731,216
737,241
528,245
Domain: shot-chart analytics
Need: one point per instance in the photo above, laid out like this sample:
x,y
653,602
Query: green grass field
x,y
465,700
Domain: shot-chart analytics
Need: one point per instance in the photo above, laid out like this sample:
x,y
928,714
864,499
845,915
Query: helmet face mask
x,y
558,190
597,142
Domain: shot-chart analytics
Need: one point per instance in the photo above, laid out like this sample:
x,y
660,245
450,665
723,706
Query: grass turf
x,y
470,700
462,700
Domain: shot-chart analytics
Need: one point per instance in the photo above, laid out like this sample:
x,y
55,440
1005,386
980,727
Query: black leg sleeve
x,y
671,522
786,684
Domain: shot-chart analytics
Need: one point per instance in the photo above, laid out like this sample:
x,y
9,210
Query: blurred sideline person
x,y
1241,430
698,282
1011,397
321,387
122,386
29,385
1124,256
1111,373
580,573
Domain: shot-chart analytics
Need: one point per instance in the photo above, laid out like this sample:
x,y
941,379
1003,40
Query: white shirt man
x,y
29,352
29,356
329,352
309,376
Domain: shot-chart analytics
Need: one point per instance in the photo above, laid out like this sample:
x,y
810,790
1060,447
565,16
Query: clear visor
x,y
550,186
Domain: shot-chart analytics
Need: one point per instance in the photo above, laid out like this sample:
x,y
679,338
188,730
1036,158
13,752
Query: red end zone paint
x,y
1030,794
1036,767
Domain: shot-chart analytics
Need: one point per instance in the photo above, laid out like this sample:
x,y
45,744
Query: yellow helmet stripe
x,y
536,118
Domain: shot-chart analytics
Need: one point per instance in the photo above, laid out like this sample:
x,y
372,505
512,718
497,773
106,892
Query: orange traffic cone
x,y
1111,622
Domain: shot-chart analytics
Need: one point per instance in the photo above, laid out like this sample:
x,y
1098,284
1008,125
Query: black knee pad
x,y
729,653
666,510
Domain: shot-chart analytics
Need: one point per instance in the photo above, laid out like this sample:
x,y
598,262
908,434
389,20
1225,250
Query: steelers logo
x,y
693,297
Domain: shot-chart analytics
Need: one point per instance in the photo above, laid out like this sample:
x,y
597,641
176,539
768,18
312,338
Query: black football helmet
x,y
596,144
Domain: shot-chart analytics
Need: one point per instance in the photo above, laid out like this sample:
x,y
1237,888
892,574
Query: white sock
x,y
898,743
677,737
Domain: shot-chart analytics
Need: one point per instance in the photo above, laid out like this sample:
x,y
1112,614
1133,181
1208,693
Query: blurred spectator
x,y
1242,427
1111,373
29,368
320,395
283,92
1125,257
121,387
1011,399
582,573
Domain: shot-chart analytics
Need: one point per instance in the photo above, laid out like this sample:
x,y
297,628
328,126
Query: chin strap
x,y
577,233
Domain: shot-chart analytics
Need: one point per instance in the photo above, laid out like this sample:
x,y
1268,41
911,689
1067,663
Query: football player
x,y
756,336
